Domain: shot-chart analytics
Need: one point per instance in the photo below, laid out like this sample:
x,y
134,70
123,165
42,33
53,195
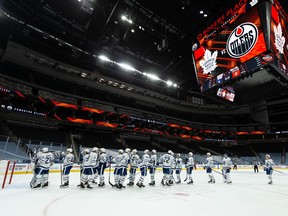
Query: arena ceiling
x,y
153,36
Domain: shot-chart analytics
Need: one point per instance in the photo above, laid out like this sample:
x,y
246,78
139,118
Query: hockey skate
x,y
130,184
89,187
122,186
37,186
140,185
152,183
162,183
168,183
101,184
82,186
65,185
118,186
190,182
45,185
270,182
178,182
229,182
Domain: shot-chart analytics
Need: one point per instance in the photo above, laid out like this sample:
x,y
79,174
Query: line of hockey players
x,y
94,163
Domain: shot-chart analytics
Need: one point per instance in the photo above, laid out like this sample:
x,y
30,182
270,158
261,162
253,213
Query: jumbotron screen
x,y
241,39
278,37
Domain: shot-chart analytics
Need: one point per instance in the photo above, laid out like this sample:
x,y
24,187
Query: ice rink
x,y
248,195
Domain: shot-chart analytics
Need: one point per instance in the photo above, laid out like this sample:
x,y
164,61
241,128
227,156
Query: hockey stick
x,y
186,175
61,174
109,177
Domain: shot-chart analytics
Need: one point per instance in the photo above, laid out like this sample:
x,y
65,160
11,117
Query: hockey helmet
x,y
120,151
69,150
95,149
208,154
134,151
102,150
170,152
127,150
146,151
45,149
153,151
190,154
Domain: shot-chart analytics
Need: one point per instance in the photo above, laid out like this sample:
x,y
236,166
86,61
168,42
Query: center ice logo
x,y
242,40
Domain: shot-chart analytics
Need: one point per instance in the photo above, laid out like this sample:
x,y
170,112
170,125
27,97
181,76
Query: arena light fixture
x,y
153,77
126,67
104,58
126,19
169,83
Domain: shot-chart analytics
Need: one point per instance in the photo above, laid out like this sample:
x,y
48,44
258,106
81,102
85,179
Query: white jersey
x,y
145,160
127,158
190,162
68,160
269,164
121,161
226,163
167,160
86,161
153,161
44,159
178,163
103,158
93,159
134,160
209,162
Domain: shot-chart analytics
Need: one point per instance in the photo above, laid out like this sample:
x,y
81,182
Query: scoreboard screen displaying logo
x,y
222,51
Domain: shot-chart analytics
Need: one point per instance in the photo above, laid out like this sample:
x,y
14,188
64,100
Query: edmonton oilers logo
x,y
242,40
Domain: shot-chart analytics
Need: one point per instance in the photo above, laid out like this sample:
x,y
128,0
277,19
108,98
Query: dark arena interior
x,y
181,75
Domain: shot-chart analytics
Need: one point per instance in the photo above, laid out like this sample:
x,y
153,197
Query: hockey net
x,y
6,172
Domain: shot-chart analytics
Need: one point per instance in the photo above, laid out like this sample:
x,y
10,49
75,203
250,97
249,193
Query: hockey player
x,y
87,168
95,163
178,168
268,168
227,163
67,166
189,167
143,168
134,160
127,155
166,160
152,167
120,167
44,160
208,166
102,166
172,168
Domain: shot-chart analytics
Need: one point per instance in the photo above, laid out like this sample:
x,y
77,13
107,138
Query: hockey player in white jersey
x,y
208,166
94,162
227,163
87,168
120,168
127,155
143,168
67,166
178,168
166,160
268,168
189,167
102,166
134,160
152,167
172,168
43,162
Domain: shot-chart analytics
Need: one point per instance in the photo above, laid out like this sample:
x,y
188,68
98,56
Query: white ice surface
x,y
248,195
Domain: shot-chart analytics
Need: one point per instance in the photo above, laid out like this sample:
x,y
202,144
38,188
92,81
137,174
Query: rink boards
x,y
22,168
